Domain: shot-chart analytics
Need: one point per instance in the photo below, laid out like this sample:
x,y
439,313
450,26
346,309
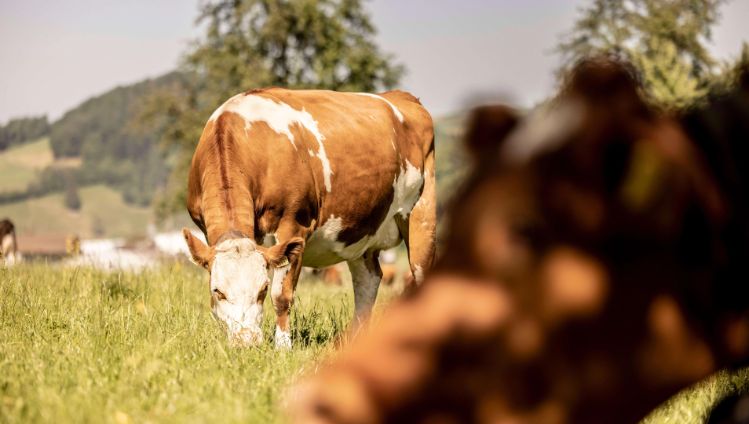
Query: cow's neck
x,y
226,211
226,202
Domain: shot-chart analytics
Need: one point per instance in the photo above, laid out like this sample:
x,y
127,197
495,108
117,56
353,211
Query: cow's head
x,y
240,273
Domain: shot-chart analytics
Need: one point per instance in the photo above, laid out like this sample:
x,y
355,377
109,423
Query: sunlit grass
x,y
18,164
79,345
86,346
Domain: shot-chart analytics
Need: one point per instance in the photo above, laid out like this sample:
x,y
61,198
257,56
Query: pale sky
x,y
56,54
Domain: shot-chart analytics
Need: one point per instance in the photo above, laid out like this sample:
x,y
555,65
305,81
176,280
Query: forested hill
x,y
113,142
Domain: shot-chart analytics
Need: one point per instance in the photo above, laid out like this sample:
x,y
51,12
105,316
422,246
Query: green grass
x,y
79,345
103,214
85,346
19,164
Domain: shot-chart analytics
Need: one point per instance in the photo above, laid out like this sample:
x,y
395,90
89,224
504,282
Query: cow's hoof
x,y
283,339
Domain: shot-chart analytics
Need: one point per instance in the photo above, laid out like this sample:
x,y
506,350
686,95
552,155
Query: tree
x,y
669,79
72,199
734,73
257,43
665,39
22,130
105,133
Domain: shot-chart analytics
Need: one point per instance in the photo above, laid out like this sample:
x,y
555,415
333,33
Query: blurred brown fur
x,y
330,275
389,272
588,276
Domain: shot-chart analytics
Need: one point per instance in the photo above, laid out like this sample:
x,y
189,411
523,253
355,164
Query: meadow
x,y
103,212
80,345
19,164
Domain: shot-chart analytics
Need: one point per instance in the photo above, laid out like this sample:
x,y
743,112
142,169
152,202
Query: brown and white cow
x,y
322,177
8,247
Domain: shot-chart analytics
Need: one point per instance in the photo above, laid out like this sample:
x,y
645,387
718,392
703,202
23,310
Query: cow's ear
x,y
200,253
284,253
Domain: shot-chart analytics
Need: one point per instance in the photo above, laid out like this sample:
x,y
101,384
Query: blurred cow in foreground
x,y
8,247
596,264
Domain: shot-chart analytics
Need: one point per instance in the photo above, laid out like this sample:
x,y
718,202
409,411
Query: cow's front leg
x,y
282,295
365,275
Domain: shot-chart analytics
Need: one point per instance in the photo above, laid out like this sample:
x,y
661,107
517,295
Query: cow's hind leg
x,y
419,231
365,275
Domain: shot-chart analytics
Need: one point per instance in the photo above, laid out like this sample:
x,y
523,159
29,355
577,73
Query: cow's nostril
x,y
219,294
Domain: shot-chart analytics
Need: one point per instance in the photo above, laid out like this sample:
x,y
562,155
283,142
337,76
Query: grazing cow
x,y
328,176
595,266
8,248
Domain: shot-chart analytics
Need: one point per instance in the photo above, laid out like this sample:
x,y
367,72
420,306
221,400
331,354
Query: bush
x,y
22,130
72,199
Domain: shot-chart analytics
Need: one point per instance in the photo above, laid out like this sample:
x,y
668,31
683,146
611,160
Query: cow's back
x,y
375,147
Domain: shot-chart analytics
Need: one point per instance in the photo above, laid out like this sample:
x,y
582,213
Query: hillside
x,y
103,214
451,161
19,164
115,142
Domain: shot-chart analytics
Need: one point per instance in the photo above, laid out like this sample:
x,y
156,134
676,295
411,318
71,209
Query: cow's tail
x,y
422,224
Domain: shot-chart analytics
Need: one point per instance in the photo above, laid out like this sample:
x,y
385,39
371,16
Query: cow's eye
x,y
219,294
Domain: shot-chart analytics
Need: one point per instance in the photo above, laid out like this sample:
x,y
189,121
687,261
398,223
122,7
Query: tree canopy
x,y
665,39
22,130
113,146
327,44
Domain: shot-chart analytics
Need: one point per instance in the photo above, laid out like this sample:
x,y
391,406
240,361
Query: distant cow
x,y
596,264
8,247
330,275
331,176
389,273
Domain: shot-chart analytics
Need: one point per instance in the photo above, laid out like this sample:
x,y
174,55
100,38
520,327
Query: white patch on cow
x,y
239,271
331,228
397,112
418,274
283,338
323,247
7,250
424,201
276,287
280,117
407,188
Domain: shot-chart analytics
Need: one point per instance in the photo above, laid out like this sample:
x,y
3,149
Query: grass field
x,y
19,164
85,346
103,214
78,345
